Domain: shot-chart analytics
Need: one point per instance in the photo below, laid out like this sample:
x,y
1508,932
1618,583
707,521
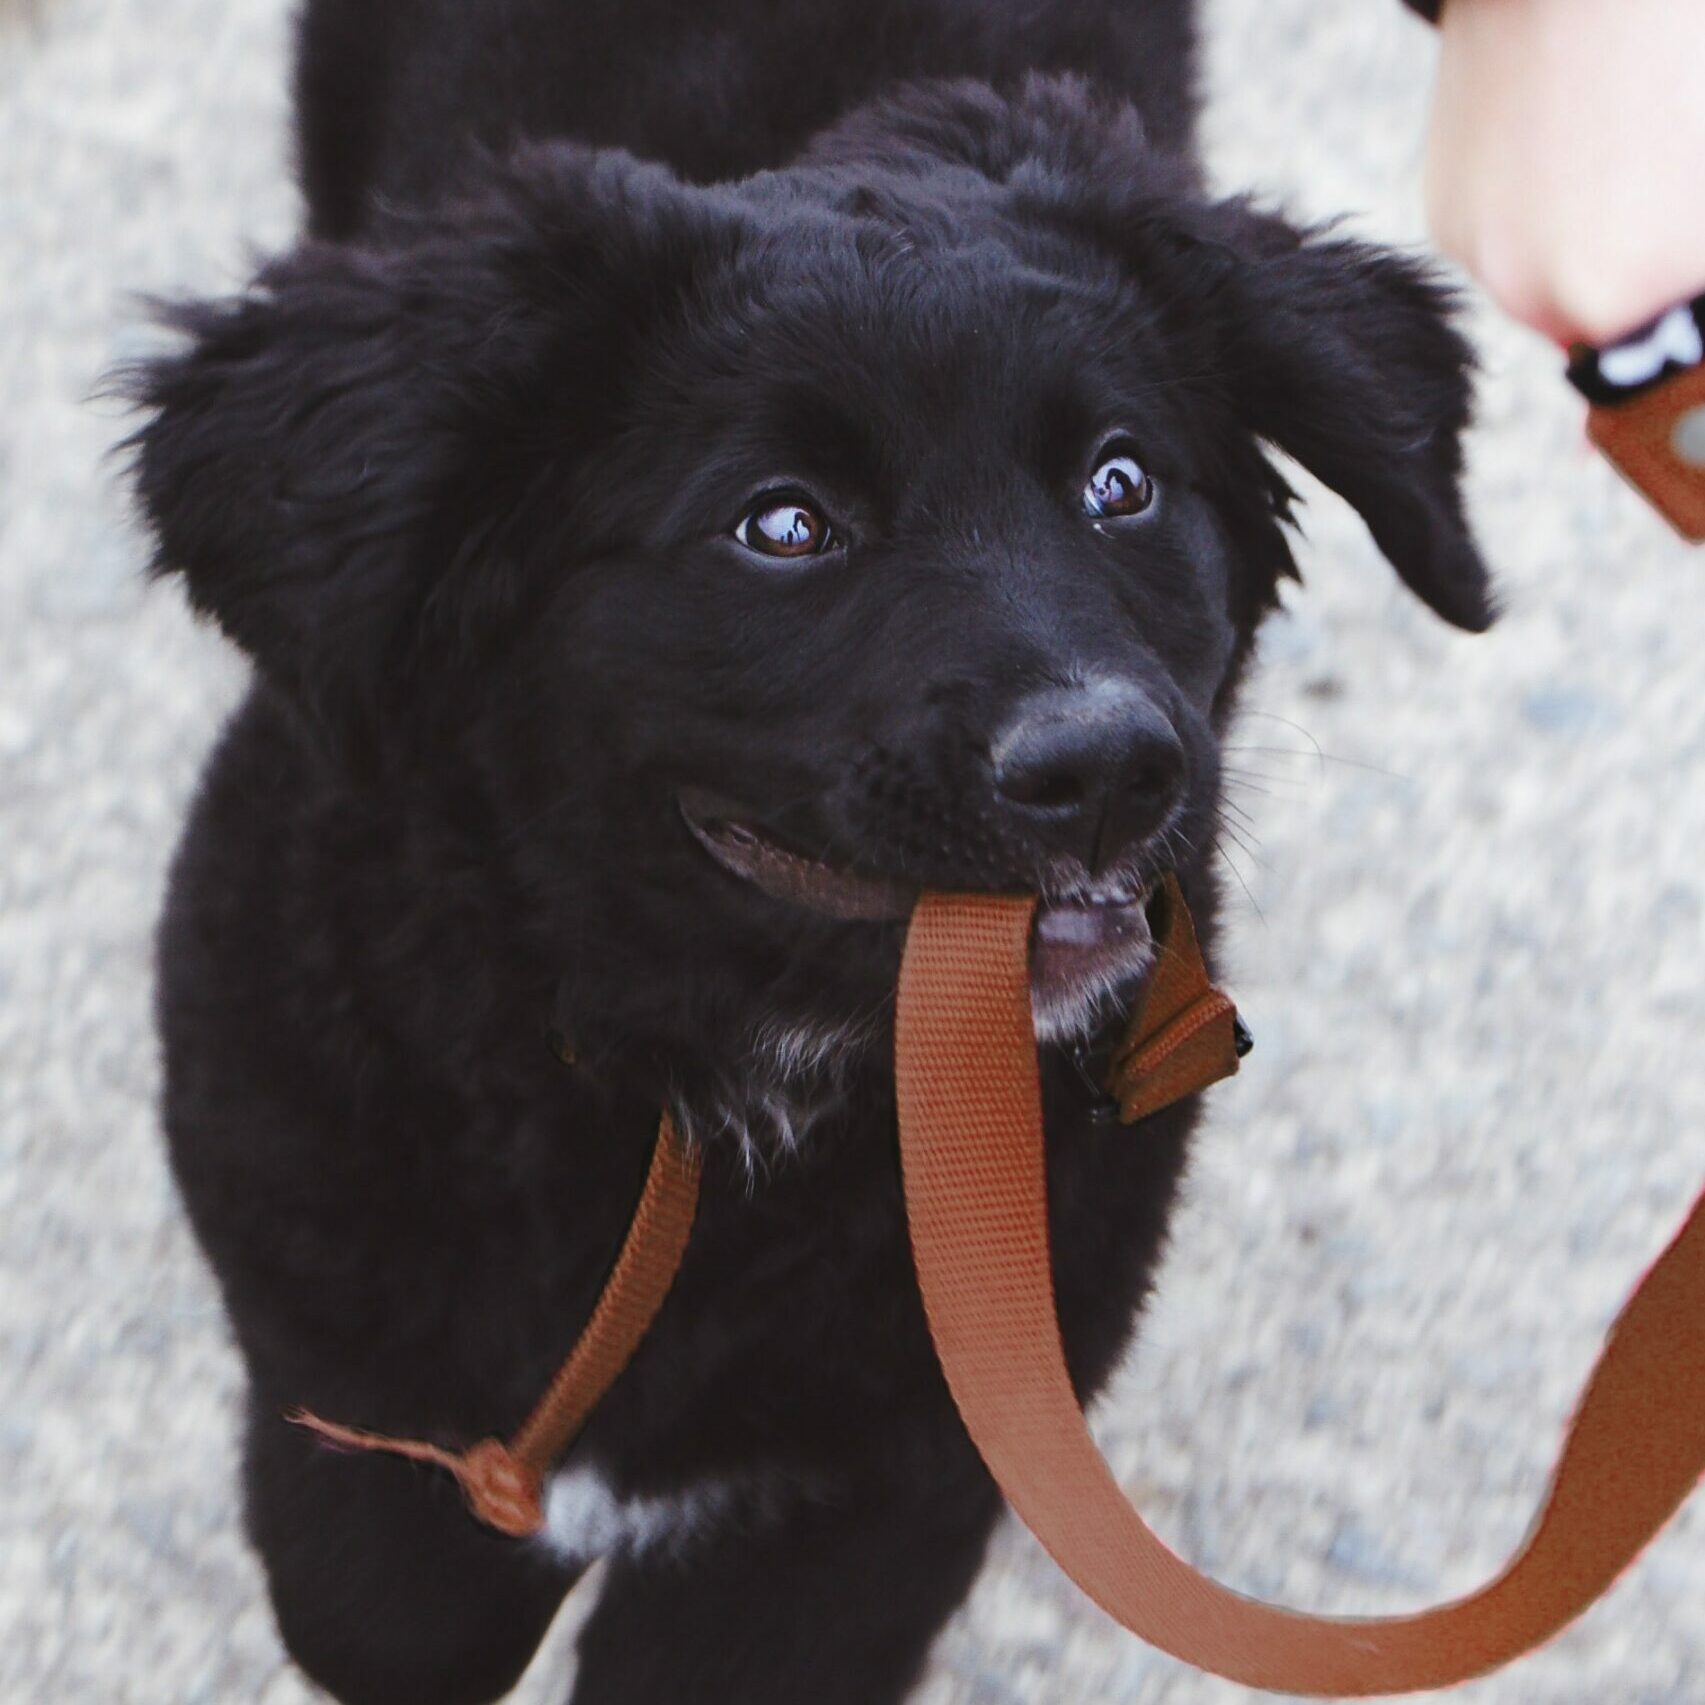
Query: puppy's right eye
x,y
1119,486
786,527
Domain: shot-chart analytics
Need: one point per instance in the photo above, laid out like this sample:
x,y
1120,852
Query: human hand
x,y
1566,158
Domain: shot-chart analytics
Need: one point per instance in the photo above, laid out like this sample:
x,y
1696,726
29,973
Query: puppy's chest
x,y
586,1518
798,1293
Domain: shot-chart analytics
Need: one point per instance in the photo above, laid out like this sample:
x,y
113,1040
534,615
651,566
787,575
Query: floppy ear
x,y
1344,357
342,463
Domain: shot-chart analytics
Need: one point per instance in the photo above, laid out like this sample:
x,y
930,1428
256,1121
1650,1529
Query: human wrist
x,y
1565,151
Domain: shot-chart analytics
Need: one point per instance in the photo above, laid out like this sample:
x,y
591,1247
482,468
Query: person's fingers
x,y
1566,158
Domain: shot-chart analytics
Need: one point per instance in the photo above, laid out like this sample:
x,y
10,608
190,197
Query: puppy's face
x,y
765,555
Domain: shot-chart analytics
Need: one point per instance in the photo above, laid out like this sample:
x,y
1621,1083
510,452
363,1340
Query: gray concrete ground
x,y
1472,1118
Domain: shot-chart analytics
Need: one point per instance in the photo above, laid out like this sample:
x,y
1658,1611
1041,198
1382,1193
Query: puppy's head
x,y
759,555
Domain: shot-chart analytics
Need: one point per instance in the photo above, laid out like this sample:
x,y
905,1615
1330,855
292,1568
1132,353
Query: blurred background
x,y
1467,931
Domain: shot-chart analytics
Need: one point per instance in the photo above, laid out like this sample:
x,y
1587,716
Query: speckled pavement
x,y
1470,950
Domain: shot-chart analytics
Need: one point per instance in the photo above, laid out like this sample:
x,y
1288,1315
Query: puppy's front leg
x,y
838,1607
386,1591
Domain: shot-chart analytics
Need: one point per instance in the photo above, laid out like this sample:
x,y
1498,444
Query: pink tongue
x,y
1087,926
1072,926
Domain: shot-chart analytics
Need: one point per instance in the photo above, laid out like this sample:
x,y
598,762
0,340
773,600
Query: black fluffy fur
x,y
460,473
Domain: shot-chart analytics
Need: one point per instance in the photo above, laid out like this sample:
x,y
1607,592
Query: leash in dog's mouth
x,y
1086,947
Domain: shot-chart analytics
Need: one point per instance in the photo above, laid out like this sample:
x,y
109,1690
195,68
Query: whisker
x,y
1246,847
1248,895
1319,757
1273,716
1253,781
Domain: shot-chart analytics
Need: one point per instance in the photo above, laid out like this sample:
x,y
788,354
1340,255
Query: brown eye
x,y
1118,486
788,527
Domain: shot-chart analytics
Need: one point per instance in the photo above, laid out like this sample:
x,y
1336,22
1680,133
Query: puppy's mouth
x,y
1090,946
757,857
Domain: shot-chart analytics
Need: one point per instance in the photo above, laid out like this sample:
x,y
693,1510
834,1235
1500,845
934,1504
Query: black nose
x,y
1101,766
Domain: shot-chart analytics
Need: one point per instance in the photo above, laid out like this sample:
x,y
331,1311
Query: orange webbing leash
x,y
504,1482
972,1150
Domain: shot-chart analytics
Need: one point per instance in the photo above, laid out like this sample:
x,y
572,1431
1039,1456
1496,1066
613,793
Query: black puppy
x,y
705,478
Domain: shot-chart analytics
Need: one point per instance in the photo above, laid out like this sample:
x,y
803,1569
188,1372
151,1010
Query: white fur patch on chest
x,y
585,1520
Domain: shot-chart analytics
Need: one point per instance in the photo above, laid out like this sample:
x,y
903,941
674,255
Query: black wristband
x,y
1429,9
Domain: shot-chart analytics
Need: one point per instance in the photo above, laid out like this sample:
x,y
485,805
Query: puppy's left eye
x,y
1119,485
785,526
